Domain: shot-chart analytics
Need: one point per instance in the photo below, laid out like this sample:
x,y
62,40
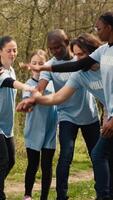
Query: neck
x,y
5,65
68,56
36,77
111,38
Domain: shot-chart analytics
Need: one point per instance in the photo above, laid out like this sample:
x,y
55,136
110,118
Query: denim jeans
x,y
102,158
6,161
67,137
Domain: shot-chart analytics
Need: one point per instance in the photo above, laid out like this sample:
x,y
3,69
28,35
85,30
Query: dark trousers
x,y
67,137
102,158
34,157
7,160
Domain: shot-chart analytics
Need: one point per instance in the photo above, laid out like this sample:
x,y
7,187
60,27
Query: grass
x,y
82,190
81,160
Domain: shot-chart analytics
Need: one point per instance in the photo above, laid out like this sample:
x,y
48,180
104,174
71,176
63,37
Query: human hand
x,y
29,88
24,65
38,67
29,66
107,129
26,105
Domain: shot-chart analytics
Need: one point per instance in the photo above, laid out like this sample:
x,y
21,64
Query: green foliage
x,y
81,161
28,21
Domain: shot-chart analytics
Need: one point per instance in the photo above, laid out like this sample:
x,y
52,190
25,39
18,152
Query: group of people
x,y
89,66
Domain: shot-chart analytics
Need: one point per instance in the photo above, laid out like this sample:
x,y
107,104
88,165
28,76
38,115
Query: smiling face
x,y
8,53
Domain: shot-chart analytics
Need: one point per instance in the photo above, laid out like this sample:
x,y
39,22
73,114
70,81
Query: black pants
x,y
34,157
7,160
67,138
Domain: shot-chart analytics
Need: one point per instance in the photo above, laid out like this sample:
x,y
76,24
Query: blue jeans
x,y
67,137
102,158
7,159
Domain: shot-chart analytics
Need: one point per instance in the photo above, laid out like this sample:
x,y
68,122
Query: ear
x,y
67,42
110,28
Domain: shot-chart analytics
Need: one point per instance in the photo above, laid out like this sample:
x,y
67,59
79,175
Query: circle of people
x,y
78,72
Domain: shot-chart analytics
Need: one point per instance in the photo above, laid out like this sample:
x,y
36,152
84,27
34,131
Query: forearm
x,y
44,100
19,85
41,85
84,64
51,99
11,83
55,98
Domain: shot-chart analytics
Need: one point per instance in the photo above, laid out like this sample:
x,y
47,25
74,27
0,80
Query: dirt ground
x,y
19,187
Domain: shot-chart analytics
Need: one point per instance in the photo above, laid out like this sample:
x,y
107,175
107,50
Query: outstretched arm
x,y
55,98
52,99
84,64
11,83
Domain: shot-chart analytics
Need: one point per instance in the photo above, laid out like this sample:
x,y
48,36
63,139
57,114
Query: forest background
x,y
28,21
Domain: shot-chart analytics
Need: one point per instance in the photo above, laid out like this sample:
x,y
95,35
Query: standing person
x,y
8,53
71,114
40,136
102,155
81,47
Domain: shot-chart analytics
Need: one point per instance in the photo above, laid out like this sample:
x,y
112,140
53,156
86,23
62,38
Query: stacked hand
x,y
26,105
107,129
29,66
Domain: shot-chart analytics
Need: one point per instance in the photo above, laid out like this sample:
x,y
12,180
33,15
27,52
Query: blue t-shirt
x,y
75,108
7,104
104,55
40,124
90,80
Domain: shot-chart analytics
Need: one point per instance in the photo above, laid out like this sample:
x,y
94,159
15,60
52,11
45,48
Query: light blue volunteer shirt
x,y
81,103
104,55
91,80
40,124
7,104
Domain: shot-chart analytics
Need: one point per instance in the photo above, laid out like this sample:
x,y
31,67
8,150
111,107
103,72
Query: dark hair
x,y
107,18
4,40
58,34
87,42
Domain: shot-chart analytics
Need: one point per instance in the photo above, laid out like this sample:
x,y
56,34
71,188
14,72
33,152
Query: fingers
x,y
107,131
24,65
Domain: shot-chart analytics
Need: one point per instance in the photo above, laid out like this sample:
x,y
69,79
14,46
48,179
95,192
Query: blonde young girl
x,y
40,136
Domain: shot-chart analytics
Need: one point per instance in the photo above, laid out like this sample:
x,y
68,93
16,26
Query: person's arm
x,y
41,85
26,104
52,99
107,129
11,83
55,98
84,64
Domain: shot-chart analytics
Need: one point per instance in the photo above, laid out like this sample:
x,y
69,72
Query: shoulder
x,y
51,61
